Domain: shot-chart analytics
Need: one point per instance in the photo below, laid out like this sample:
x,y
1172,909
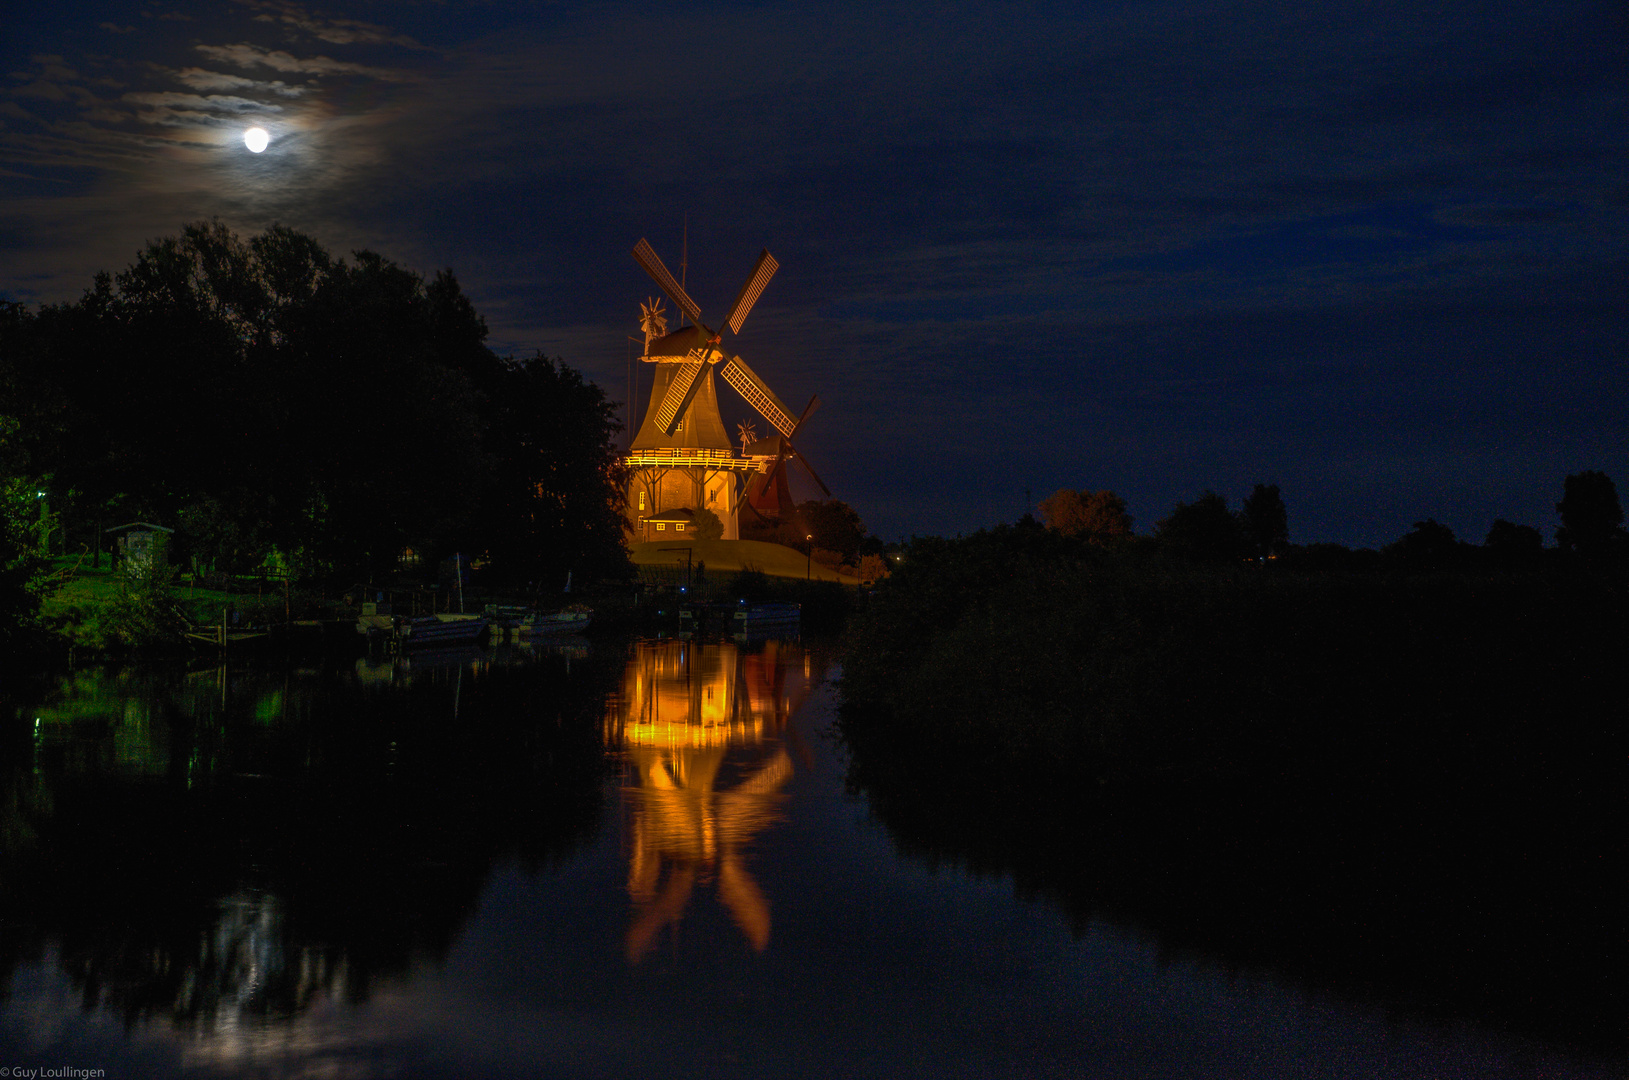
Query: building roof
x,y
139,525
676,514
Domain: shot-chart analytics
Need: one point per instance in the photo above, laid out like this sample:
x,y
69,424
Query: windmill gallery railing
x,y
684,455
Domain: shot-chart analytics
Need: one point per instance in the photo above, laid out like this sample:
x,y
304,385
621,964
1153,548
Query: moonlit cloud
x,y
212,103
249,56
200,79
336,31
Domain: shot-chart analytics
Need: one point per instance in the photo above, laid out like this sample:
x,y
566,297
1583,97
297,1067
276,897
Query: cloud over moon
x,y
247,56
202,79
335,31
219,103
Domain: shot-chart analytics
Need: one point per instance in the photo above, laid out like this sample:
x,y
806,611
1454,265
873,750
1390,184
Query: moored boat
x,y
445,629
521,622
538,624
768,618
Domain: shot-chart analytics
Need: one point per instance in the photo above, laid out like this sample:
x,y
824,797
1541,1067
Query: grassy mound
x,y
730,556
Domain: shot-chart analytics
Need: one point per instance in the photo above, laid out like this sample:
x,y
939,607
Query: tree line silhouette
x,y
272,401
1395,773
1591,523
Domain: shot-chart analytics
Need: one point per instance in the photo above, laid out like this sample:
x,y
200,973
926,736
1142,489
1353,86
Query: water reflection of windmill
x,y
682,459
702,728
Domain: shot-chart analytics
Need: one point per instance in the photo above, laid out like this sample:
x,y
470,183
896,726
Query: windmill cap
x,y
678,343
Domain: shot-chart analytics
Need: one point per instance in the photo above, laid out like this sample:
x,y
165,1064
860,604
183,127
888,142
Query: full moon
x,y
256,139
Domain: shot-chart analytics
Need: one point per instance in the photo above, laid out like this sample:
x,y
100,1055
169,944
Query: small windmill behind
x,y
652,322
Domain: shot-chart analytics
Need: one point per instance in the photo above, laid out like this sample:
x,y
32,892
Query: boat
x,y
446,629
699,616
371,625
538,624
523,622
759,619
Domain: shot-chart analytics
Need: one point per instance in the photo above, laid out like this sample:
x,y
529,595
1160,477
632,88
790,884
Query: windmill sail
x,y
646,257
758,395
813,475
752,290
679,393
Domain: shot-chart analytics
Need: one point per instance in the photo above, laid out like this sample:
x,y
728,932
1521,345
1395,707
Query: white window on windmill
x,y
641,502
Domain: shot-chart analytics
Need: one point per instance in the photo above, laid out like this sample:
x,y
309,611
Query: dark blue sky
x,y
1378,255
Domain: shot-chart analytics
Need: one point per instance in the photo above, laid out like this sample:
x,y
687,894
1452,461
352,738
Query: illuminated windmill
x,y
682,459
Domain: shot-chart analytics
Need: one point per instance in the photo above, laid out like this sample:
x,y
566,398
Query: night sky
x,y
1375,252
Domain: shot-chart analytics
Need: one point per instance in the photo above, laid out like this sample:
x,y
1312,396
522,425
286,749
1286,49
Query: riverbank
x,y
97,612
1403,787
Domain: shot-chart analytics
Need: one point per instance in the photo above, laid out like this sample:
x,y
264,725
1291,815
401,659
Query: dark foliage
x,y
20,563
554,504
263,395
1591,516
1514,545
1371,775
835,526
1203,531
1430,545
1099,516
1265,522
707,525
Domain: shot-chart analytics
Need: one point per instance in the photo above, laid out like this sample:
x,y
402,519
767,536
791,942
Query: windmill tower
x,y
682,459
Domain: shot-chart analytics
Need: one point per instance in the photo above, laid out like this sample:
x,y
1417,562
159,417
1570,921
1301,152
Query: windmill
x,y
769,493
682,458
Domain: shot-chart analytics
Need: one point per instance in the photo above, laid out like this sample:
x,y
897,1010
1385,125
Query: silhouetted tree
x,y
264,395
1511,543
555,502
1098,516
19,563
707,525
1430,545
383,443
1264,521
1591,516
1203,529
1332,558
835,525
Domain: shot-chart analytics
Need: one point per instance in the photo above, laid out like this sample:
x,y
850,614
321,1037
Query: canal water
x,y
638,859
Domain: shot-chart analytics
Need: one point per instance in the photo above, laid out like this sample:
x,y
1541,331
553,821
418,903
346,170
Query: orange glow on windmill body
x,y
682,459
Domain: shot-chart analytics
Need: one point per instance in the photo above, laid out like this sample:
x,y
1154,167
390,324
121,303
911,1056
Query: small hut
x,y
142,545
